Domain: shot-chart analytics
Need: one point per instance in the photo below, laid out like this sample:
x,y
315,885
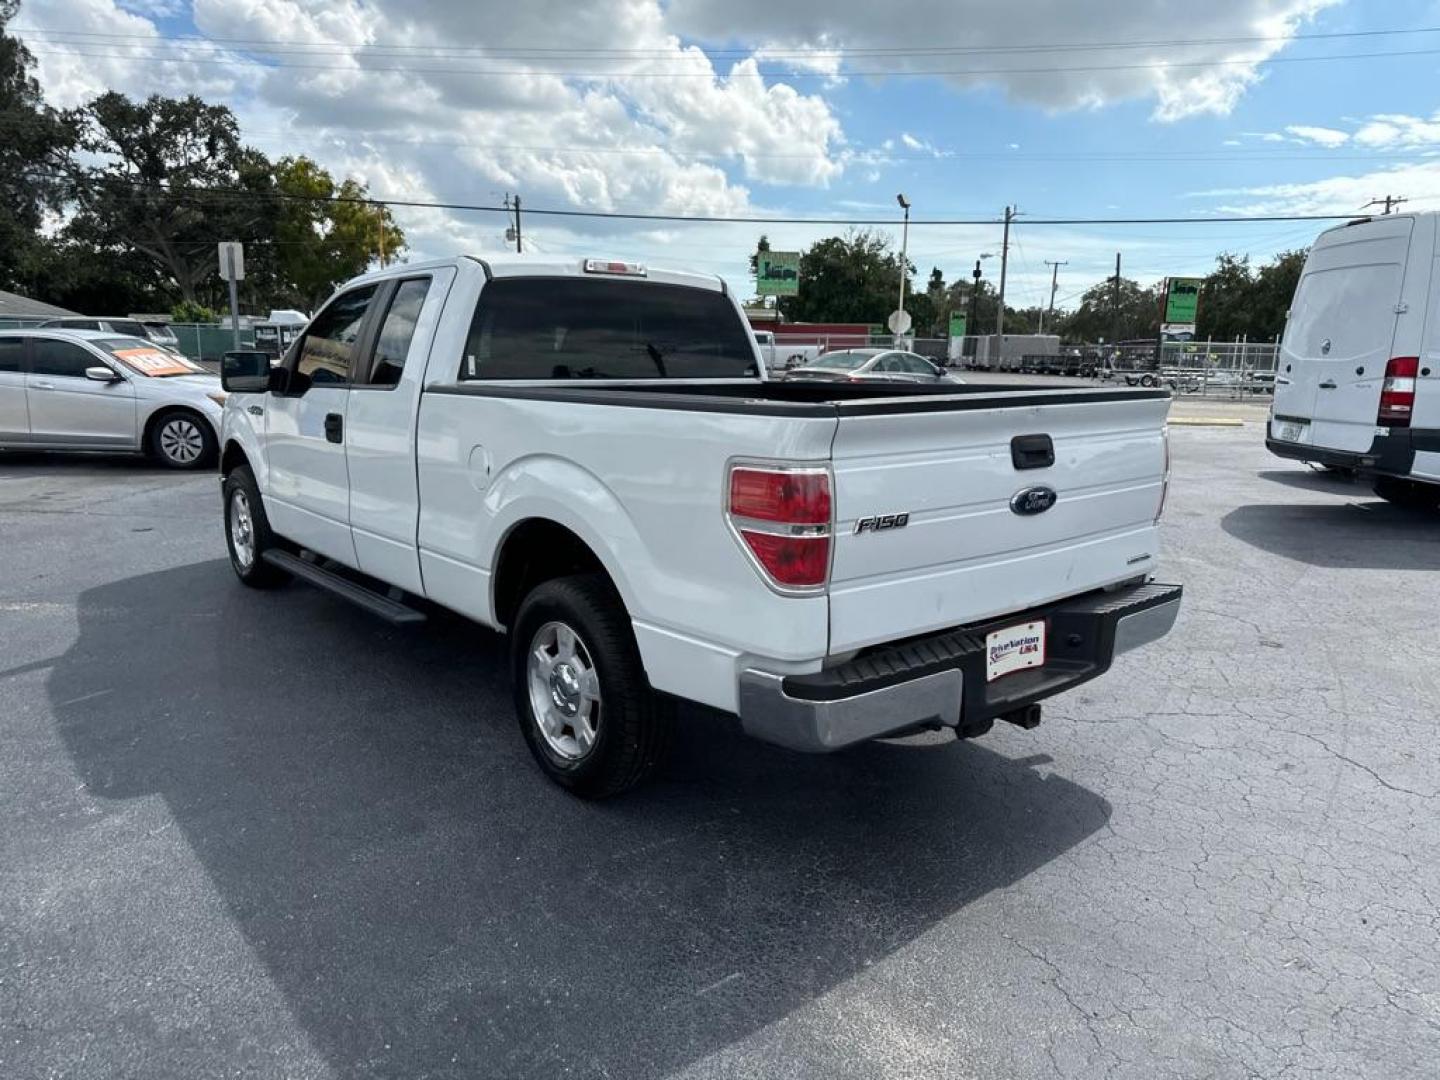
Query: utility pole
x,y
513,232
1010,213
904,244
380,209
973,327
1388,201
1115,302
1054,281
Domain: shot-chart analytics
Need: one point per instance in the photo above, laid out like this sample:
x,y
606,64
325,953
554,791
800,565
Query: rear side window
x,y
12,353
393,342
61,359
126,326
592,328
329,344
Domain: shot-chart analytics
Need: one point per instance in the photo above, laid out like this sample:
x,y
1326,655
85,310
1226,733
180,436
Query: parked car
x,y
94,390
1357,385
154,332
588,455
782,355
874,365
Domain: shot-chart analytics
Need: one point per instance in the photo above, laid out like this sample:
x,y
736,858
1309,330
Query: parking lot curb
x,y
1205,421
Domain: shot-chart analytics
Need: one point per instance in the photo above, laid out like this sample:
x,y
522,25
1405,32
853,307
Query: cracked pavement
x,y
260,835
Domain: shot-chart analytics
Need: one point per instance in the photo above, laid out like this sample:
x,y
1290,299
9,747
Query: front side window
x,y
329,345
12,353
61,359
393,342
594,328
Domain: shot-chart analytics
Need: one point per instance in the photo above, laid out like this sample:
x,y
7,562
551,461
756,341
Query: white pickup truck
x,y
587,455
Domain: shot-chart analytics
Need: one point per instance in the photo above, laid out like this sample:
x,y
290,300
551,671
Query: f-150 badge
x,y
882,522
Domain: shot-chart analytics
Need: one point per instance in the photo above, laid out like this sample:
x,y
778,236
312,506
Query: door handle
x,y
1327,385
334,427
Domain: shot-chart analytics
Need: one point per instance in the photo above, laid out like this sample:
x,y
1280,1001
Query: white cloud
x,y
1321,136
1397,130
1208,77
1332,195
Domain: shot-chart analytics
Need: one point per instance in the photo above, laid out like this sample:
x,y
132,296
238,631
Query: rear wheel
x,y
584,705
1410,494
183,439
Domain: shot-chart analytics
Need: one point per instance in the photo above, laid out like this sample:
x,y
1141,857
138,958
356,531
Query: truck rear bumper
x,y
940,678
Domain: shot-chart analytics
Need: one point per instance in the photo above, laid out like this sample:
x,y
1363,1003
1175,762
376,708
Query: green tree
x,y
1225,298
326,232
1274,291
170,179
35,146
188,311
1096,317
852,278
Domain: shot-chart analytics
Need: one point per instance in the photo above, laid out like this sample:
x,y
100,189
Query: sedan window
x,y
61,359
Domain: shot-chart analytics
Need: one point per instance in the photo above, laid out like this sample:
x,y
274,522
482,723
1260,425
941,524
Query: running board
x,y
392,611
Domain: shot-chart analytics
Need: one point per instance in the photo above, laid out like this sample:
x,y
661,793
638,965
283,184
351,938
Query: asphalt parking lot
x,y
261,835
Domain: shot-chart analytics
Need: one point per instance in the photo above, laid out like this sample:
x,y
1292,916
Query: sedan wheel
x,y
181,442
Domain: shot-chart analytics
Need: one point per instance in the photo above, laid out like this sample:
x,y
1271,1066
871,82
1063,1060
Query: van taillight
x,y
1397,393
782,516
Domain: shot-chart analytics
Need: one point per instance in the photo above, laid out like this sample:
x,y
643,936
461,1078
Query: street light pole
x,y
904,244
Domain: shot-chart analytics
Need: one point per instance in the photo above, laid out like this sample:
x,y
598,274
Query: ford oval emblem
x,y
1033,500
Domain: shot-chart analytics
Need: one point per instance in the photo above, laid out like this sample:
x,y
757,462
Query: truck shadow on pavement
x,y
1369,534
429,905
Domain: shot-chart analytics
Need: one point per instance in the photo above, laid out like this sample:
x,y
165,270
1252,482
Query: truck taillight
x,y
1397,393
781,514
1165,478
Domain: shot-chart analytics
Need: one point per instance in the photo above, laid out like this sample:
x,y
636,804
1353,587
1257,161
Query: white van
x,y
1357,383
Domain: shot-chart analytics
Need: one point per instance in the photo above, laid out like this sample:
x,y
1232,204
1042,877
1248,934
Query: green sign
x,y
1182,299
957,324
777,273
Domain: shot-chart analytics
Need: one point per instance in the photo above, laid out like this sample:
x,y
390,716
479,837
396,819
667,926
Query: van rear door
x,y
1341,335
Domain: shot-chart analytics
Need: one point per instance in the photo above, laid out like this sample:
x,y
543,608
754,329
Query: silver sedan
x,y
93,390
874,365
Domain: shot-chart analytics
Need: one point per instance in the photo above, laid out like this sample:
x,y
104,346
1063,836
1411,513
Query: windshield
x,y
843,360
143,358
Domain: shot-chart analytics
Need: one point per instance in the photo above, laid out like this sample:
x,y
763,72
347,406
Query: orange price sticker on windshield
x,y
153,362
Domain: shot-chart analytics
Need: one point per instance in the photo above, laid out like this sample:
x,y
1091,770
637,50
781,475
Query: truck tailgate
x,y
965,555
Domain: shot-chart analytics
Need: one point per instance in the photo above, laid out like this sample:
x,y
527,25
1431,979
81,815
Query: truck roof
x,y
510,265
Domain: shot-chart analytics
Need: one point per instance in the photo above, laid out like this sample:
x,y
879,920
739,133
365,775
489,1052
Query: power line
x,y
711,219
336,46
212,61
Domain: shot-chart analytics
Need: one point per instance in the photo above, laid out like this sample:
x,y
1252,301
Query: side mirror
x,y
100,373
246,372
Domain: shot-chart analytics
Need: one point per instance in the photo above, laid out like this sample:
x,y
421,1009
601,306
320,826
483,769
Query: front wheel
x,y
183,440
247,531
584,705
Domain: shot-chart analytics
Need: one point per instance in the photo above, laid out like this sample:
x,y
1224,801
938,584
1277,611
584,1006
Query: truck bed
x,y
798,398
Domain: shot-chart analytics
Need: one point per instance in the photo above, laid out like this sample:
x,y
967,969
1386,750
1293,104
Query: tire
x,y
182,439
1409,494
584,705
242,501
1147,380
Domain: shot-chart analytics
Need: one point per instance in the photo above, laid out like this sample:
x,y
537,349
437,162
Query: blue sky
x,y
450,100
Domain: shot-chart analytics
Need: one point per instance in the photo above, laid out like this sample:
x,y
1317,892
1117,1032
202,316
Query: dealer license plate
x,y
1292,431
1014,648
